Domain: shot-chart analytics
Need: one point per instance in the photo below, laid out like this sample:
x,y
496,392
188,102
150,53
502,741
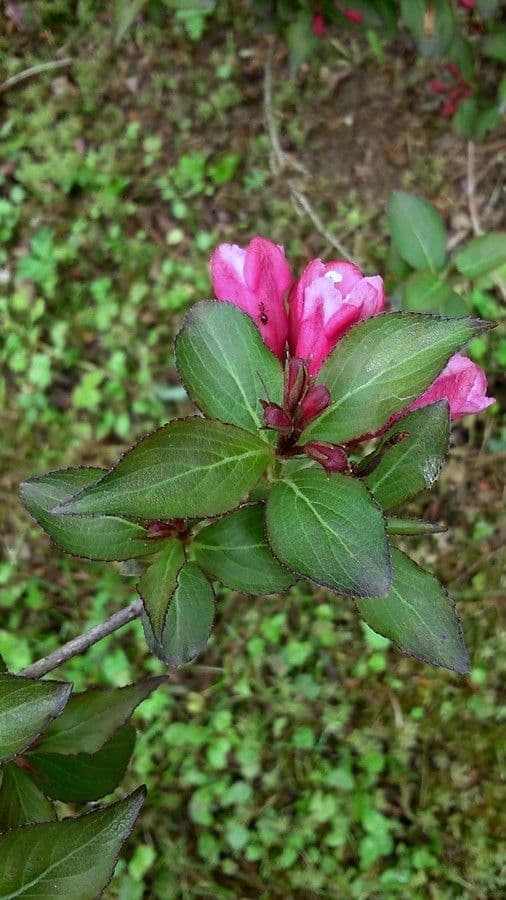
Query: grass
x,y
304,757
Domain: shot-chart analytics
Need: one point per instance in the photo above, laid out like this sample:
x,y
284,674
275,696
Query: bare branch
x,y
35,70
83,641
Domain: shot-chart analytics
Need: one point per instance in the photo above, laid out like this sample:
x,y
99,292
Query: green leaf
x,y
225,365
417,231
494,45
26,708
100,537
413,526
189,620
83,777
482,255
91,717
426,292
418,616
191,467
73,859
158,584
328,529
235,551
414,463
380,366
431,24
21,801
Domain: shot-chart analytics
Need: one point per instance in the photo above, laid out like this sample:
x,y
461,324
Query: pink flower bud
x,y
466,4
463,384
330,456
315,401
353,15
438,86
256,280
296,380
318,25
452,68
276,418
325,302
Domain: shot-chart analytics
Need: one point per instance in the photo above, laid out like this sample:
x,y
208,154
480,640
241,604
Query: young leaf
x,y
191,467
418,616
189,619
380,366
225,365
417,231
100,537
235,551
73,859
84,777
158,584
482,255
26,708
426,292
413,526
21,801
414,463
91,717
328,529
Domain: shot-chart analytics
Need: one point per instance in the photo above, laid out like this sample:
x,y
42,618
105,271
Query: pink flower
x,y
325,302
256,280
318,25
462,383
353,15
466,4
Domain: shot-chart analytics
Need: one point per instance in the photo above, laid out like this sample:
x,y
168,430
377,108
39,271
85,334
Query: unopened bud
x,y
316,400
296,380
276,418
330,456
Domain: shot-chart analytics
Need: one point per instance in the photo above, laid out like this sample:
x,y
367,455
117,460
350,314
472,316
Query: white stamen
x,y
336,277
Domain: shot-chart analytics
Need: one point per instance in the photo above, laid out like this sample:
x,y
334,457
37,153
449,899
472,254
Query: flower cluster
x,y
453,90
306,317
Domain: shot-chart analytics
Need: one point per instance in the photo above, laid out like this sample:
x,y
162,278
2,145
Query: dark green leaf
x,y
414,463
328,529
465,120
83,777
26,708
225,365
158,584
494,45
413,526
100,537
418,616
189,619
21,801
426,292
235,551
91,718
191,467
417,231
431,24
482,255
380,366
73,859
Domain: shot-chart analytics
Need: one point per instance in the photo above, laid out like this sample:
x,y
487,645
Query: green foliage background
x,y
304,757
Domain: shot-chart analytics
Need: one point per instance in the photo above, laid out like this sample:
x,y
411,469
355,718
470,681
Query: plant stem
x,y
35,70
83,641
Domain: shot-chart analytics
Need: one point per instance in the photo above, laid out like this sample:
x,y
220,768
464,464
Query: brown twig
x,y
281,161
84,641
471,190
39,69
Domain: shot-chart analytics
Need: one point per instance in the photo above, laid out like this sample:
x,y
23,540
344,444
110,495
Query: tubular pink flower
x,y
256,280
318,25
325,302
463,384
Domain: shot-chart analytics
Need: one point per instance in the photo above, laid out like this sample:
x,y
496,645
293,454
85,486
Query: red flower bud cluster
x,y
454,89
302,402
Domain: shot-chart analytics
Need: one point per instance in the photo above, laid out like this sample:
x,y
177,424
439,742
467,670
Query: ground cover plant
x,y
304,756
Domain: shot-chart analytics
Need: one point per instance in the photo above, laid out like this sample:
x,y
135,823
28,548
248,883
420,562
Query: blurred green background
x,y
302,756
